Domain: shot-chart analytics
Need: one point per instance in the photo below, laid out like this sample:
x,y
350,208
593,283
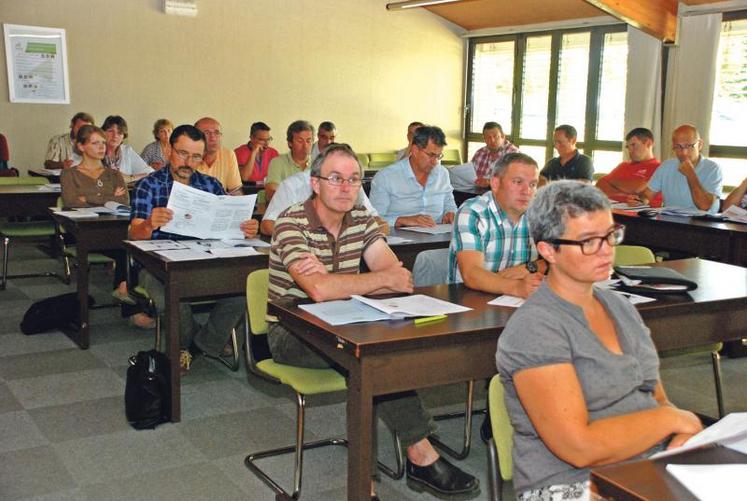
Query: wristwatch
x,y
532,267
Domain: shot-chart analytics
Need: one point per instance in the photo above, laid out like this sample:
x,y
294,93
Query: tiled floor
x,y
63,434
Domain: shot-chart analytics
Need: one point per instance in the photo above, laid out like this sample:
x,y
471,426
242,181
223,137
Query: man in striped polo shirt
x,y
316,253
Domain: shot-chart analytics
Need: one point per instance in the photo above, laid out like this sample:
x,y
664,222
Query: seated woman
x,y
121,156
90,184
580,372
156,154
737,197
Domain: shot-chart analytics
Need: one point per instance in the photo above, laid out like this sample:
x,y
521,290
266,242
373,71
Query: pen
x,y
423,320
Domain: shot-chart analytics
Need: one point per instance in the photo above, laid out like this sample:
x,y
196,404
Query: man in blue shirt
x,y
690,180
416,191
149,214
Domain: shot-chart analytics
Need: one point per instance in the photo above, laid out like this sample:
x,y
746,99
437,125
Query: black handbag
x,y
655,279
148,390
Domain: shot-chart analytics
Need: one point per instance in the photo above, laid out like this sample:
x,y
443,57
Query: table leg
x,y
81,337
171,318
360,426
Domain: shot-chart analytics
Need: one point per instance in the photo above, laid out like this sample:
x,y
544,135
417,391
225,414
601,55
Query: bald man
x,y
218,162
690,180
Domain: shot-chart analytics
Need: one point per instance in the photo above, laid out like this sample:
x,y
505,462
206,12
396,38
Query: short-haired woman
x,y
156,154
120,156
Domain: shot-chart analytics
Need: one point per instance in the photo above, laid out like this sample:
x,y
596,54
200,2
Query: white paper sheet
x,y
393,240
712,482
735,213
417,305
506,300
343,312
55,188
431,230
203,215
184,254
76,214
234,252
156,245
730,429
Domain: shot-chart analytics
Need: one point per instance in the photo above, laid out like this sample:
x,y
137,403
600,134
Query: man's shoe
x,y
185,361
486,430
440,477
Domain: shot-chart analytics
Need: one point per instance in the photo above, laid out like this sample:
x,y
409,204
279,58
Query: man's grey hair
x,y
429,132
332,149
555,202
522,158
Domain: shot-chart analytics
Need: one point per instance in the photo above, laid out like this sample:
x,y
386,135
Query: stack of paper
x,y
736,214
431,230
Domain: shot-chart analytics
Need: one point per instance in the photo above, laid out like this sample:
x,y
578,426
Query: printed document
x,y
204,215
431,230
729,431
711,482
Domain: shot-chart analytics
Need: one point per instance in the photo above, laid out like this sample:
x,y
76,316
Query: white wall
x,y
350,61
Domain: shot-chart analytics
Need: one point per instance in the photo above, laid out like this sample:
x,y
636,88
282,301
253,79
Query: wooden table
x,y
719,241
20,201
387,357
105,232
648,479
51,177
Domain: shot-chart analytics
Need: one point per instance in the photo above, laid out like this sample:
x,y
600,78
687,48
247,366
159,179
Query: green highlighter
x,y
424,320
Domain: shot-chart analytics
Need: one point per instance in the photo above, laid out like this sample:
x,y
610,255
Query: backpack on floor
x,y
56,312
148,390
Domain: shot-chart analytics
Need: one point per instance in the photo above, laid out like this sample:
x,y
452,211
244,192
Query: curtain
x,y
691,75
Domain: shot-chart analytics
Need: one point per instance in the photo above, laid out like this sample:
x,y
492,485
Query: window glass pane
x,y
734,170
472,147
536,152
492,84
605,161
535,87
611,116
729,116
572,78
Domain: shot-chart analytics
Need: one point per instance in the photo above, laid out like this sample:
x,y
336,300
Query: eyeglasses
x,y
684,147
336,180
592,245
215,133
186,156
434,156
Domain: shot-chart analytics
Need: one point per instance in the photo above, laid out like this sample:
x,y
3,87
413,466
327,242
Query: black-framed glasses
x,y
336,180
592,245
186,156
684,147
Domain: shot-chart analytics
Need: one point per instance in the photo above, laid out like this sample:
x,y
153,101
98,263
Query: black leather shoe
x,y
440,477
486,430
374,498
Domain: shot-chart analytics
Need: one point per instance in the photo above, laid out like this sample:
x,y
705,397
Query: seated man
x,y
61,150
496,147
416,191
737,197
298,159
218,162
149,213
255,156
325,136
306,261
405,152
491,249
297,189
690,181
570,163
629,178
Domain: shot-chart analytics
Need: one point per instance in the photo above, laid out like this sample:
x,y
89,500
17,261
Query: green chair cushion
x,y
23,181
93,257
303,380
27,229
503,432
633,255
705,348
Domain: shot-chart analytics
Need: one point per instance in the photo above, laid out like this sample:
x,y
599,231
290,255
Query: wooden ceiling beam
x,y
657,18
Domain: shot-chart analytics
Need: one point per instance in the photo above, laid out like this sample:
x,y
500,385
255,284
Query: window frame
x,y
596,42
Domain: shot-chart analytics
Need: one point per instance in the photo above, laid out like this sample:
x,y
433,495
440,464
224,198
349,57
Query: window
x,y
530,83
728,141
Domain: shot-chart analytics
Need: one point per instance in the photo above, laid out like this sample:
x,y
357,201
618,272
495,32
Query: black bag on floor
x,y
148,390
52,313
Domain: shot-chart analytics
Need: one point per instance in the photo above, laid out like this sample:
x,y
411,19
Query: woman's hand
x,y
679,440
120,191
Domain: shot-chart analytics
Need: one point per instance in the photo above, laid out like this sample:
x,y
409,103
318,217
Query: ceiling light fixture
x,y
411,4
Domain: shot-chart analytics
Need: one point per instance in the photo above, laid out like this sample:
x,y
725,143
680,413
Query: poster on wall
x,y
36,58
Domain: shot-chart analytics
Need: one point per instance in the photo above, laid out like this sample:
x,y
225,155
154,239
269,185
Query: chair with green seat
x,y
632,255
303,381
451,156
500,446
32,230
363,160
378,161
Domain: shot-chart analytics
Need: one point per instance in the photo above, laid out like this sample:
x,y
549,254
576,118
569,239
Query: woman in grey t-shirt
x,y
580,371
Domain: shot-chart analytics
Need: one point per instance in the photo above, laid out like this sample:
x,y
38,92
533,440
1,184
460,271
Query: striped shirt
x,y
481,225
299,230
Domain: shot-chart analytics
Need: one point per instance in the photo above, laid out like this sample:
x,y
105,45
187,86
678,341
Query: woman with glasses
x,y
156,154
91,184
580,372
120,156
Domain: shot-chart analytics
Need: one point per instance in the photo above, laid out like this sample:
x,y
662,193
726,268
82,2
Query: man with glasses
x,y
688,181
255,156
316,253
629,178
570,163
324,137
416,191
149,214
218,162
299,136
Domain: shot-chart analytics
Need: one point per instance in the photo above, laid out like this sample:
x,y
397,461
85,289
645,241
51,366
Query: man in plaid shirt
x,y
496,147
491,249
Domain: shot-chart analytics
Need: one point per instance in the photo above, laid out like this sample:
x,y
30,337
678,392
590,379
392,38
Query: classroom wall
x,y
350,61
